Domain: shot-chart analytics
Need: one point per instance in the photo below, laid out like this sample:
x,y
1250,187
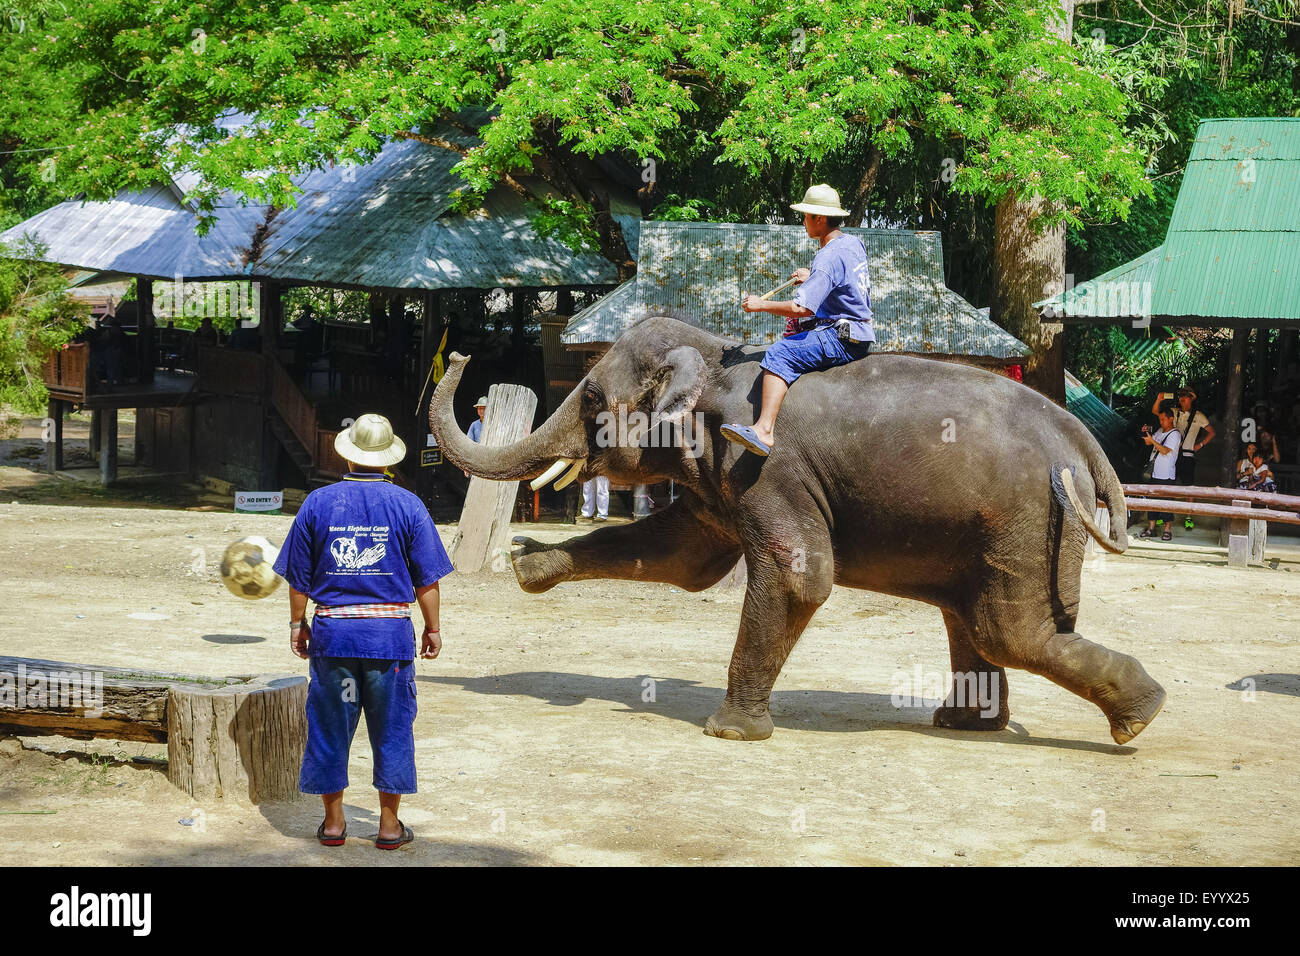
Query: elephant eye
x,y
593,397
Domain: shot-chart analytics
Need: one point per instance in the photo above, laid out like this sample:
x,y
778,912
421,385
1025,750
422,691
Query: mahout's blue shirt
x,y
839,287
362,540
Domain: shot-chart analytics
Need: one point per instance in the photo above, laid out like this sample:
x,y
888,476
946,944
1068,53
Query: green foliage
x,y
36,317
756,86
35,110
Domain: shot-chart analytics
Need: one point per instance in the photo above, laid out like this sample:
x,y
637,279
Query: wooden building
x,y
261,411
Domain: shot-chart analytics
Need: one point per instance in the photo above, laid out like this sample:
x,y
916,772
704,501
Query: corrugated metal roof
x,y
1108,427
147,233
384,224
702,270
1233,244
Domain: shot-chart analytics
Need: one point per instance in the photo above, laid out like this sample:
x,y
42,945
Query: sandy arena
x,y
565,728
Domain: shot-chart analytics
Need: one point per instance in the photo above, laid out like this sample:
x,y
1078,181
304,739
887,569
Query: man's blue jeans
x,y
340,689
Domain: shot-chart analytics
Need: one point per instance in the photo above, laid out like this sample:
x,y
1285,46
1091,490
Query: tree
x,y
36,316
792,86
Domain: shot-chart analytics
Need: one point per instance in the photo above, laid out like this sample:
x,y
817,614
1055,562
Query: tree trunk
x,y
242,742
483,533
1231,425
1029,265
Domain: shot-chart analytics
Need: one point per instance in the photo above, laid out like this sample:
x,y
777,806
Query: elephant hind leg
x,y
1004,633
978,699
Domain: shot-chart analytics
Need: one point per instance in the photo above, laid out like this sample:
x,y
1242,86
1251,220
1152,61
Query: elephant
x,y
926,479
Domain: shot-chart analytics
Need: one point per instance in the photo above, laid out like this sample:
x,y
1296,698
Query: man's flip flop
x,y
406,837
744,435
331,840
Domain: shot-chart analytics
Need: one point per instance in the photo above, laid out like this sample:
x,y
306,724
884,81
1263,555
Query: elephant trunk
x,y
557,448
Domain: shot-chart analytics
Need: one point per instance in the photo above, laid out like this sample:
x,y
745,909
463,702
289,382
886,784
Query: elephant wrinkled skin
x,y
925,479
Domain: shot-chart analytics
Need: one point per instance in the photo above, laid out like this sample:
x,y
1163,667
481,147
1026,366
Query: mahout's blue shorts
x,y
340,689
810,351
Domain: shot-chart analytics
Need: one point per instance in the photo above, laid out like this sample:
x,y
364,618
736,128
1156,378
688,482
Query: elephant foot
x,y
970,718
1132,720
539,567
732,723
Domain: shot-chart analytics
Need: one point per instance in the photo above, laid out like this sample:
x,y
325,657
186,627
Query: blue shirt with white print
x,y
839,287
362,540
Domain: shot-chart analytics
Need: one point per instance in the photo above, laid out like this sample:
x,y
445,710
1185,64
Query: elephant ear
x,y
682,377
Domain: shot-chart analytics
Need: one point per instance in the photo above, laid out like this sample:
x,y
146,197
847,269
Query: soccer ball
x,y
246,568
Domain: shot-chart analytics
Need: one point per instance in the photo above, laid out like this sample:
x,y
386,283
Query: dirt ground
x,y
565,728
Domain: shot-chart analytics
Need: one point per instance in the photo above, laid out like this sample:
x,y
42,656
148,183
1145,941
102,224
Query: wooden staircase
x,y
294,420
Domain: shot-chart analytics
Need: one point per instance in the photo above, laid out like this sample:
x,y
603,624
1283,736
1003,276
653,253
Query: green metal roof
x,y
1231,253
1108,427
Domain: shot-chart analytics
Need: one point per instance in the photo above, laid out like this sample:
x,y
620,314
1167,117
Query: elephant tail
x,y
1108,490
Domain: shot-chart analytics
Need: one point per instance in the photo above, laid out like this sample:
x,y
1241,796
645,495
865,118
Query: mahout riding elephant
x,y
926,479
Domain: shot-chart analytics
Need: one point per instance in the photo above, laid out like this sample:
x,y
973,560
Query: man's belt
x,y
363,610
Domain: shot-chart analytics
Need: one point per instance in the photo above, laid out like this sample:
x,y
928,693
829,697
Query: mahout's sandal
x,y
744,435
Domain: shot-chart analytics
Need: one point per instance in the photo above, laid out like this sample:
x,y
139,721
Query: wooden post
x,y
517,331
270,311
144,331
483,534
108,447
93,443
54,439
1232,419
240,741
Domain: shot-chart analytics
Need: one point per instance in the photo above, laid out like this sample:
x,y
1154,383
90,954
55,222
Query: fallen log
x,y
240,737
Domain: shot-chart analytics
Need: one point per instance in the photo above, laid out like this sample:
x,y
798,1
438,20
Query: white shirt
x,y
1191,429
1165,466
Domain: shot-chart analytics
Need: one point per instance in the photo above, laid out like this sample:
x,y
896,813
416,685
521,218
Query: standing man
x,y
363,550
1164,446
595,498
1196,430
828,322
476,426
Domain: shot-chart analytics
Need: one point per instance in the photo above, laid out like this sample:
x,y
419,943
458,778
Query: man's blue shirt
x,y
362,540
476,429
839,287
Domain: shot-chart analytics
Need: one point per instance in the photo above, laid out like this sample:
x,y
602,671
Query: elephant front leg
x,y
779,602
673,546
978,699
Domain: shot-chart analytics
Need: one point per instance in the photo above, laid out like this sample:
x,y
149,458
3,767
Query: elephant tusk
x,y
571,474
548,474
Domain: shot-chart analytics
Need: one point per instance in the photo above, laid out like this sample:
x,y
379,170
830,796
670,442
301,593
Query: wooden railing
x,y
294,407
67,371
328,462
231,371
1248,513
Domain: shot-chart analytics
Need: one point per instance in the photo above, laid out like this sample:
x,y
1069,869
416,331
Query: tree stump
x,y
242,741
483,533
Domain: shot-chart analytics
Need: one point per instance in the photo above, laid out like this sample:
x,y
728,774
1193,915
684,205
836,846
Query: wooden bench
x,y
227,737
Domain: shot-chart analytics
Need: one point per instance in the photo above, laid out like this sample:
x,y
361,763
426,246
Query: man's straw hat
x,y
820,200
370,441
481,403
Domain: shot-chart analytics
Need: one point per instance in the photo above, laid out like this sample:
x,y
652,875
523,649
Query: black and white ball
x,y
246,568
